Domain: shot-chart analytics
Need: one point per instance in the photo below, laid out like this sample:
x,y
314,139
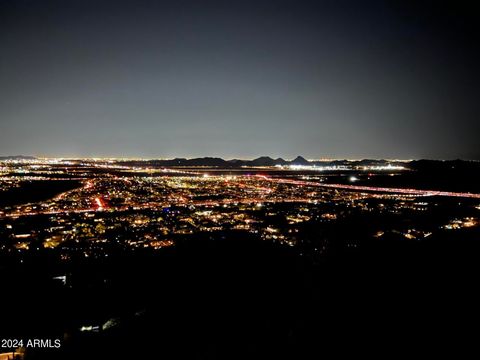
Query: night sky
x,y
240,79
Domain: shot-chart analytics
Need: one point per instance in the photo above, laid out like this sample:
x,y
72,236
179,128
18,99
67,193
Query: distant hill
x,y
300,160
261,161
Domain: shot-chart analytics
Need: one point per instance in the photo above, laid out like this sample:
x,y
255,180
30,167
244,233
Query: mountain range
x,y
260,161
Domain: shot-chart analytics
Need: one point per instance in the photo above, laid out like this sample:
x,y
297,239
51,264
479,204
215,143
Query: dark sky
x,y
239,79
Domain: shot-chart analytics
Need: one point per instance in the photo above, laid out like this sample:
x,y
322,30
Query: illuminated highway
x,y
413,192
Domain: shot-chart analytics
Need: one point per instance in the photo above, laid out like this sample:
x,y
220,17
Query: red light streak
x,y
99,203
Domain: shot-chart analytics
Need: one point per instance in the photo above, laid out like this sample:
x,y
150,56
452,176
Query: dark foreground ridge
x,y
235,297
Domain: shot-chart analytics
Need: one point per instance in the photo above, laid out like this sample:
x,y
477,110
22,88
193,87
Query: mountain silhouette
x,y
300,160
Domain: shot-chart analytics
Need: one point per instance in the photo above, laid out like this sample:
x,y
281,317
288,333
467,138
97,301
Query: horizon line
x,y
145,158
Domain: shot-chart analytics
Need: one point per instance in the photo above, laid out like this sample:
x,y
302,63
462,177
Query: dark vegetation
x,y
233,296
35,191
